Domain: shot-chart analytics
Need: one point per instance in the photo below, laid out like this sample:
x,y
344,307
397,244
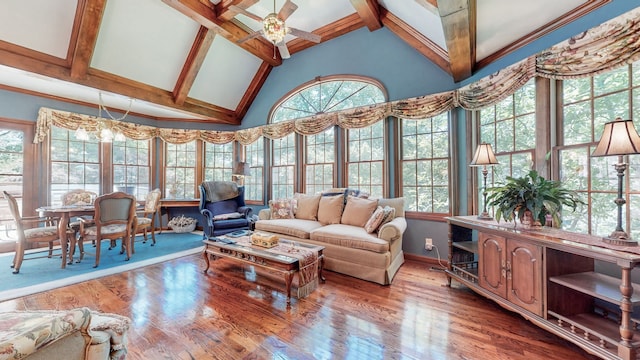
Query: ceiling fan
x,y
274,28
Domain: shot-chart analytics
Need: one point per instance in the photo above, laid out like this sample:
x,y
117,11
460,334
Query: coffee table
x,y
244,252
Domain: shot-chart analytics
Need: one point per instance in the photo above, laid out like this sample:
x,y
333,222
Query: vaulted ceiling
x,y
180,59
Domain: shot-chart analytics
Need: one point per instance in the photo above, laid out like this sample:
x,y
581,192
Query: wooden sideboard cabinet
x,y
548,276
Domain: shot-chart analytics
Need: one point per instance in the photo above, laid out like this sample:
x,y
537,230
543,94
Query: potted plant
x,y
531,195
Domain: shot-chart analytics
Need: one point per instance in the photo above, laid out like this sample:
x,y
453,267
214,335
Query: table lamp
x,y
240,170
619,138
484,157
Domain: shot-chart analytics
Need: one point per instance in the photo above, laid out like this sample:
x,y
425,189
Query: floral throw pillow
x,y
282,208
374,221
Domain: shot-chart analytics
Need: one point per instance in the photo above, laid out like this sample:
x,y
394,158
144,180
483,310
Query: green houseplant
x,y
534,194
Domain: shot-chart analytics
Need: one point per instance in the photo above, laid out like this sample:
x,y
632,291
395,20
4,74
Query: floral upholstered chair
x,y
77,197
68,334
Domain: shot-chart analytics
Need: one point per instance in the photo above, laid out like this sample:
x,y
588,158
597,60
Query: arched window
x,y
319,155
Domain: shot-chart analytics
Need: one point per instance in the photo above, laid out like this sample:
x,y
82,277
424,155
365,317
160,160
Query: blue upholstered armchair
x,y
222,205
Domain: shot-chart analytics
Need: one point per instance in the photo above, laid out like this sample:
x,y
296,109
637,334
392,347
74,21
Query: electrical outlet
x,y
428,244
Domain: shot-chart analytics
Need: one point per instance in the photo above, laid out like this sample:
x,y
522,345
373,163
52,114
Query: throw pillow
x,y
358,211
389,214
330,209
282,208
375,220
307,206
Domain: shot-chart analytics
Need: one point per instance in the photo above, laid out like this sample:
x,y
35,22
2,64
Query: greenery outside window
x,y
254,184
218,161
75,164
426,164
319,163
180,170
365,159
587,104
132,167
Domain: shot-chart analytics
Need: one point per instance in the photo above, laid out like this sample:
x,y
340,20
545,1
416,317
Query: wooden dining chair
x,y
115,218
34,230
77,197
147,218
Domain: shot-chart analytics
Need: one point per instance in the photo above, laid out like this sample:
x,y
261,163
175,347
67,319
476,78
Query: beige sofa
x,y
63,335
352,247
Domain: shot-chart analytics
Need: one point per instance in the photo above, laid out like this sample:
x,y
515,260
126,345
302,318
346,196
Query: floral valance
x,y
604,48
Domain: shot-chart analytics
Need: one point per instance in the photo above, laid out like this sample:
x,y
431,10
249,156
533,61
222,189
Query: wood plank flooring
x,y
178,312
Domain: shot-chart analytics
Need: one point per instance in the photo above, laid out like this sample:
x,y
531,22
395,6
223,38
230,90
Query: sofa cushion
x,y
282,208
349,236
330,209
375,220
292,227
358,211
307,206
389,214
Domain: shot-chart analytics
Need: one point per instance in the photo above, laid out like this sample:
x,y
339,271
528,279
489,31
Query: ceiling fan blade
x,y
239,10
286,10
305,35
284,51
253,35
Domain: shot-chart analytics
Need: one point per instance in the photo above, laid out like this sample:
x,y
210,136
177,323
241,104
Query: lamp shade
x,y
242,169
618,138
484,156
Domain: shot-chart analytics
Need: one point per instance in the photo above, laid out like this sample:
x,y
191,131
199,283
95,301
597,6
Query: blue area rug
x,y
43,274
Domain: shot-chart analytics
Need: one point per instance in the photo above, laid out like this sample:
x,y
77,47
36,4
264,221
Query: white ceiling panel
x,y
46,85
41,25
144,40
426,22
501,22
225,74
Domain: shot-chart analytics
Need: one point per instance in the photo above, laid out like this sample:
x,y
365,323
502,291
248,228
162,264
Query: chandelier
x,y
104,131
273,28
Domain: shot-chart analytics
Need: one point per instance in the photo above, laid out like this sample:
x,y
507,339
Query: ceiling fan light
x,y
274,29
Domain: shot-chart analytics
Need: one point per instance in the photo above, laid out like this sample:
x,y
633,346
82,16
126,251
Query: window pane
x,y
425,166
180,171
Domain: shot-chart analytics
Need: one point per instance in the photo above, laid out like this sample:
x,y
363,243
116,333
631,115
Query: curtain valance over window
x,y
606,47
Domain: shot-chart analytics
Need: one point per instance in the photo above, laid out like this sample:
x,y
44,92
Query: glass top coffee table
x,y
242,251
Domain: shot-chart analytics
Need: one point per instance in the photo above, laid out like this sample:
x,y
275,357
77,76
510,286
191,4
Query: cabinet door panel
x,y
524,275
492,265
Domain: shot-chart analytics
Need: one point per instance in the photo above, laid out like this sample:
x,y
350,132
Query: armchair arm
x,y
264,214
246,211
393,230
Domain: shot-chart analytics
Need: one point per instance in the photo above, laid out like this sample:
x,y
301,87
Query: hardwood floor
x,y
178,312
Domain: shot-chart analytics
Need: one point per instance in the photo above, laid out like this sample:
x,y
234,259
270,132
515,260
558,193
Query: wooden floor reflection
x,y
234,313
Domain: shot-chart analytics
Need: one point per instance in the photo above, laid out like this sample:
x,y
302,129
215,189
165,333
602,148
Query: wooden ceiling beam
x,y
192,65
206,17
416,40
369,11
86,34
459,26
108,82
225,14
328,32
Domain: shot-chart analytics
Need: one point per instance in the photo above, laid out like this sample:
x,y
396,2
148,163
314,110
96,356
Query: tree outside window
x,y
75,164
587,104
426,164
180,170
132,167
